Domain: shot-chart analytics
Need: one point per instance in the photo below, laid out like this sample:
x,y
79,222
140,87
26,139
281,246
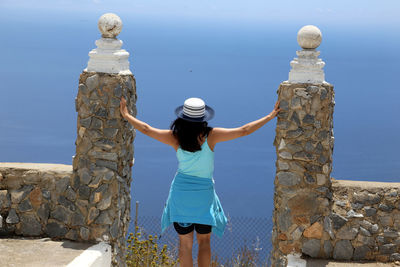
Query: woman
x,y
192,203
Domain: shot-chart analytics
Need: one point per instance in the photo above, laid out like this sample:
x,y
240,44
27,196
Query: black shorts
x,y
186,228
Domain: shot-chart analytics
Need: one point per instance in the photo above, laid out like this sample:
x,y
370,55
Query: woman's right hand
x,y
122,107
276,110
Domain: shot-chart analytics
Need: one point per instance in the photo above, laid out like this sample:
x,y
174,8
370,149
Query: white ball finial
x,y
309,37
110,25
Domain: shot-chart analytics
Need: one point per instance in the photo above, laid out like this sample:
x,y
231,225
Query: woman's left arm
x,y
164,136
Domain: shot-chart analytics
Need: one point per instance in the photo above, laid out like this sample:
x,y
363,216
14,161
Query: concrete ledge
x,y
295,260
327,263
37,166
96,256
363,184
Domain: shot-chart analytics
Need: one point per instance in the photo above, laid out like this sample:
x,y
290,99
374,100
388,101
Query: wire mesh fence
x,y
243,235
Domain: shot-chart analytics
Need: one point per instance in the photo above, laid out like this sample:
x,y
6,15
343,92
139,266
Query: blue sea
x,y
236,68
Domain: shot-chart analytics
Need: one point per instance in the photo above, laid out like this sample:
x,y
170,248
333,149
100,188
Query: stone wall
x,y
38,200
364,223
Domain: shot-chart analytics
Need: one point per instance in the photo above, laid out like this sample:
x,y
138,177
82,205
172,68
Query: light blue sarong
x,y
193,199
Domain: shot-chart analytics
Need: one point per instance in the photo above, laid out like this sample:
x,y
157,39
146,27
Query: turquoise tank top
x,y
199,163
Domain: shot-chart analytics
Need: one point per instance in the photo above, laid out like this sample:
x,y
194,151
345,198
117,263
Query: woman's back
x,y
199,163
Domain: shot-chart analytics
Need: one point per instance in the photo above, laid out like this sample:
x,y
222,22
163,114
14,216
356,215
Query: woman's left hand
x,y
122,107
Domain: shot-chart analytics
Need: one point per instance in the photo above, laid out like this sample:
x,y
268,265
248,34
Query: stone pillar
x,y
104,151
304,146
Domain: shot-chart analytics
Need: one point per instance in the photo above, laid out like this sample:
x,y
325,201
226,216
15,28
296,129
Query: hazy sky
x,y
354,12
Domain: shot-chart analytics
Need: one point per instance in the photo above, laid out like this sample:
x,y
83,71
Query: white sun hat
x,y
194,109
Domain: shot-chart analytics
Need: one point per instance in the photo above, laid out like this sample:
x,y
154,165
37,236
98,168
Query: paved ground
x,y
323,263
24,252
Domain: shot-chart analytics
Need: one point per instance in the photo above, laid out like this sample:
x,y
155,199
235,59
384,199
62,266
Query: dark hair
x,y
188,133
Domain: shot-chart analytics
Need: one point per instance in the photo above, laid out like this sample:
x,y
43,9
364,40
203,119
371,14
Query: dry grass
x,y
146,252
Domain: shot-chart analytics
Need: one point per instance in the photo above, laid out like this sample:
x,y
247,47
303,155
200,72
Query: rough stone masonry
x,y
104,152
304,147
364,222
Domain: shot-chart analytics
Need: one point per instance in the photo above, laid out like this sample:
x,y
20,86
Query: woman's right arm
x,y
226,134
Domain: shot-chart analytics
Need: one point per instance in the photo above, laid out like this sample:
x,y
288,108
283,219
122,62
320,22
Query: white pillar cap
x,y
108,57
307,68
